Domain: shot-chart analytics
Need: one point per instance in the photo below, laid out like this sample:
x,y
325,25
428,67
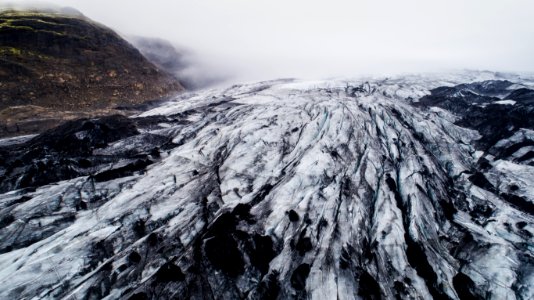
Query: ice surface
x,y
381,188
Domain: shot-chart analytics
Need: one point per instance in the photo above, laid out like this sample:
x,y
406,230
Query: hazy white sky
x,y
261,39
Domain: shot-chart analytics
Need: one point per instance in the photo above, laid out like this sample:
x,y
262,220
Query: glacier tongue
x,y
281,189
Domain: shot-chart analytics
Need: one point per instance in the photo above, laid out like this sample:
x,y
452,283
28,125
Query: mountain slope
x,y
192,72
69,63
274,190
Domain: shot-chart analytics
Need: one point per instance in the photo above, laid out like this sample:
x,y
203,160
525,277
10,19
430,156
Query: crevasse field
x,y
338,189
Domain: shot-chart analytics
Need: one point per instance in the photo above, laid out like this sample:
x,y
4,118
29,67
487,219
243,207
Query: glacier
x,y
409,187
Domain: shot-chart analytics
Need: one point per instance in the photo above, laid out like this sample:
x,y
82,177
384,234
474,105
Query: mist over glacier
x,y
261,40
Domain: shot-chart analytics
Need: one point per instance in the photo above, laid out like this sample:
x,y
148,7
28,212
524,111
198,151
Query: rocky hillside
x,y
192,73
162,53
68,63
399,188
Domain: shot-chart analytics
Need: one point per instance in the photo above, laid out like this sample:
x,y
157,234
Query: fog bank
x,y
254,40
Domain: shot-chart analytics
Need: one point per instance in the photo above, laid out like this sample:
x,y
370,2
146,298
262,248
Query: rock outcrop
x,y
54,65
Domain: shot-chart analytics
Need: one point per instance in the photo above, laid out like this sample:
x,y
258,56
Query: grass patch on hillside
x,y
24,21
20,53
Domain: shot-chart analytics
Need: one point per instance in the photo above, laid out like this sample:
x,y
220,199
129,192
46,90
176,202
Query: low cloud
x,y
256,40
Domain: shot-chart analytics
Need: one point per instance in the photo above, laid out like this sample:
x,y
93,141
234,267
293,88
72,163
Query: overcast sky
x,y
263,39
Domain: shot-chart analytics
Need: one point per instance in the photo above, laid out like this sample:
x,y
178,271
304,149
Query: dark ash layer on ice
x,y
402,188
